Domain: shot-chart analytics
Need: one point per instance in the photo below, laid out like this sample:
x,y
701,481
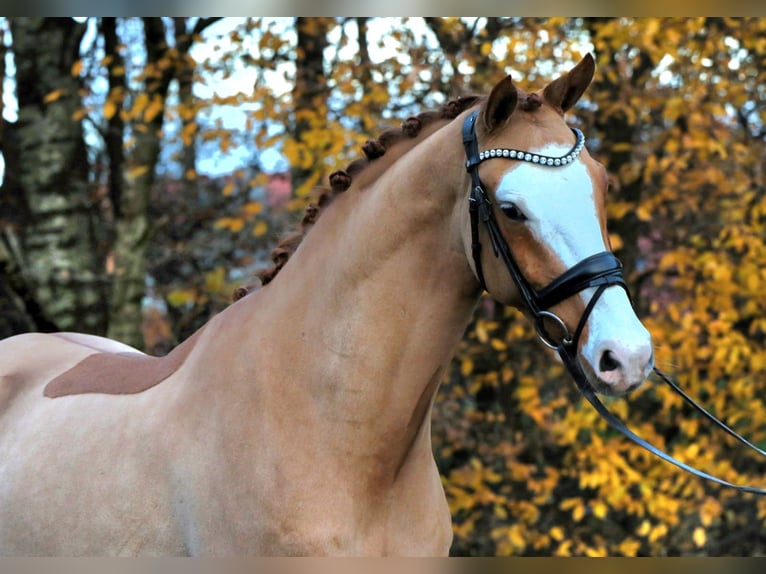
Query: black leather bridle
x,y
599,271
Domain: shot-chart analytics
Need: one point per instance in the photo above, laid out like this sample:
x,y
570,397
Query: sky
x,y
211,160
216,40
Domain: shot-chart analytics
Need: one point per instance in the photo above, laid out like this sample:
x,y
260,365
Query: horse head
x,y
537,236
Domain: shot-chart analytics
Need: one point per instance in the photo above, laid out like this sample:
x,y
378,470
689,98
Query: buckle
x,y
544,335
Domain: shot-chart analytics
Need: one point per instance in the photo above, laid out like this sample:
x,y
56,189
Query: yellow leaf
x,y
699,536
621,147
557,533
252,208
486,48
234,224
188,132
615,242
516,537
53,96
260,229
142,100
137,171
76,68
228,189
498,345
709,511
187,112
153,109
629,547
191,174
600,509
643,213
466,366
658,532
595,552
618,209
110,108
674,106
79,114
481,331
215,280
180,297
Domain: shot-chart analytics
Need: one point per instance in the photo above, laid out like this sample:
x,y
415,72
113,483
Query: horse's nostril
x,y
608,362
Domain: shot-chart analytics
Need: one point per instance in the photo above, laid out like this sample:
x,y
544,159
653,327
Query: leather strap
x,y
599,269
477,200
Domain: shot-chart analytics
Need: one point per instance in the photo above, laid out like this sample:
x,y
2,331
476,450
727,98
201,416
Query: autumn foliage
x,y
676,112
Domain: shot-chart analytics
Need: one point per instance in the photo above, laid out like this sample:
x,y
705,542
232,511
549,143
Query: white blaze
x,y
562,215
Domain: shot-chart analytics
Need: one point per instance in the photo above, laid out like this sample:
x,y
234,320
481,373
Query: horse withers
x,y
297,421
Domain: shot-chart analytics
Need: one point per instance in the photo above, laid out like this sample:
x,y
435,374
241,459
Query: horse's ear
x,y
563,92
500,105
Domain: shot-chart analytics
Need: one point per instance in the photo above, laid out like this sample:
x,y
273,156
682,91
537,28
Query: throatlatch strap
x,y
477,200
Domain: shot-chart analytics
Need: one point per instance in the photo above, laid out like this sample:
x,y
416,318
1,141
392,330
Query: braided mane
x,y
341,180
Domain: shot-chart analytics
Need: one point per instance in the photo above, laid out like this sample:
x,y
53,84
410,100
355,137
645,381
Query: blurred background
x,y
150,164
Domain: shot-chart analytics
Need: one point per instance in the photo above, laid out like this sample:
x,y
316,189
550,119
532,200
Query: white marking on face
x,y
559,204
562,214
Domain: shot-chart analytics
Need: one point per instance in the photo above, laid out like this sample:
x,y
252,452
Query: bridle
x,y
600,271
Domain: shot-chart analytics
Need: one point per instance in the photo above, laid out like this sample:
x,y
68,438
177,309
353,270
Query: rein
x,y
599,271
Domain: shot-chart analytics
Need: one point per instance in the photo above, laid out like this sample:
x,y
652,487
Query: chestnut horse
x,y
297,421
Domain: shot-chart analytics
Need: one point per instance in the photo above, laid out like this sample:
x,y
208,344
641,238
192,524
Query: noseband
x,y
599,271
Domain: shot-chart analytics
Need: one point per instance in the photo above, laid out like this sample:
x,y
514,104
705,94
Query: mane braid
x,y
341,180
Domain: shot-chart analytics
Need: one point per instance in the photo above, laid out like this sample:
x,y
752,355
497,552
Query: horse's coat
x,y
118,372
297,421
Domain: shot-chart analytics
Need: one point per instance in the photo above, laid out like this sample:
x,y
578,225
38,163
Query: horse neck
x,y
358,327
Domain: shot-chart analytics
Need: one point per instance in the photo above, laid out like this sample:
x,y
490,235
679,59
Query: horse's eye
x,y
512,212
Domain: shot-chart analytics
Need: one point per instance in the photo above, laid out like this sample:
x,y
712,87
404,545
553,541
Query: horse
x,y
297,420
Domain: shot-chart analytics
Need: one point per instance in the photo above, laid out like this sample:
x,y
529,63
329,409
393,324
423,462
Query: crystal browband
x,y
534,157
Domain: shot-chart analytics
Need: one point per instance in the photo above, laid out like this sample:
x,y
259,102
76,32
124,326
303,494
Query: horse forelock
x,y
379,154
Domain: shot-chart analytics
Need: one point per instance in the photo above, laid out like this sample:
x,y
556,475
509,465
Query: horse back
x,y
30,360
75,363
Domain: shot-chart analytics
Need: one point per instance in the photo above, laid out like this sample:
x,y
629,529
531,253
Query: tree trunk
x,y
134,230
115,125
133,226
62,258
310,90
187,109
